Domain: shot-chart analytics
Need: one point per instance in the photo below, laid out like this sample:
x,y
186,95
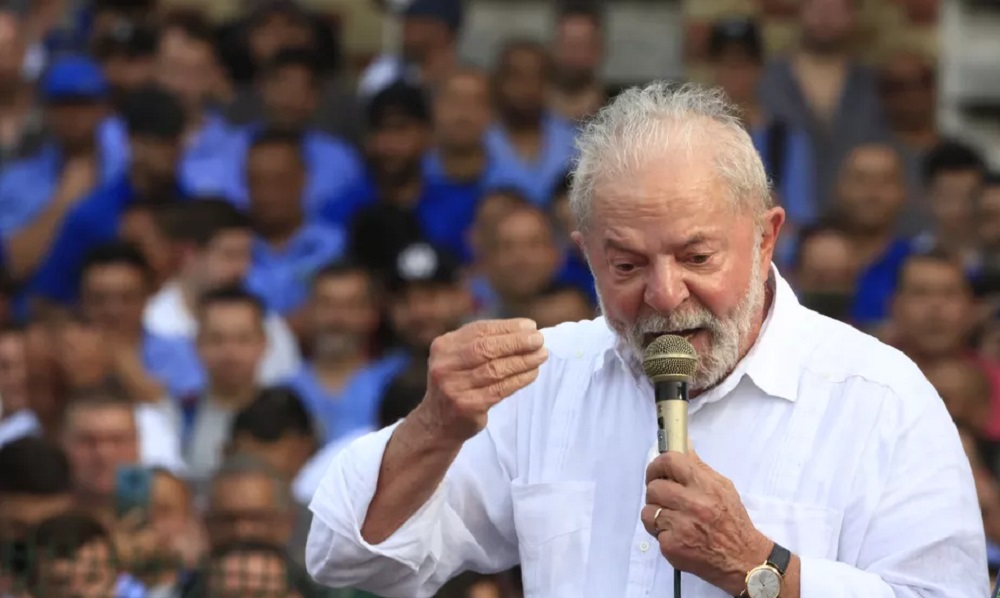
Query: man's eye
x,y
624,268
699,259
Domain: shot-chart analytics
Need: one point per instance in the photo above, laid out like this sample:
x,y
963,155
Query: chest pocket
x,y
806,530
553,522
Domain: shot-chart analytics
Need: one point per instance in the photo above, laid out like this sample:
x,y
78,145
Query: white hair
x,y
644,122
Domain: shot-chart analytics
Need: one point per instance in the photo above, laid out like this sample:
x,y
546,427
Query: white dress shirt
x,y
841,450
167,315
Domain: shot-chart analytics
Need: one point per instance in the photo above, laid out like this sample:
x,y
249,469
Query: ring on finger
x,y
656,516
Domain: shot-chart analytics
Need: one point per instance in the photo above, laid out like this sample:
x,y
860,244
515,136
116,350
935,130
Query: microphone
x,y
669,362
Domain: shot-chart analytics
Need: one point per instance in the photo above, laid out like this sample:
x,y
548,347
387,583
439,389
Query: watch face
x,y
764,583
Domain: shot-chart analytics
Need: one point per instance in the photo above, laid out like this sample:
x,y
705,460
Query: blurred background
x,y
230,230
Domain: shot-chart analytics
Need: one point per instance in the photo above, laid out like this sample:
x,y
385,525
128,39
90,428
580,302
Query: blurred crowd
x,y
223,257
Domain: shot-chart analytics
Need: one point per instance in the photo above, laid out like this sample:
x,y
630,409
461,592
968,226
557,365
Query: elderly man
x,y
826,464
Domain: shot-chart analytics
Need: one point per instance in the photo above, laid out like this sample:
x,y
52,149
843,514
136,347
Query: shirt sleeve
x,y
914,529
466,524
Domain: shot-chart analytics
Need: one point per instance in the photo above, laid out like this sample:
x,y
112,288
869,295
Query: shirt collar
x,y
769,364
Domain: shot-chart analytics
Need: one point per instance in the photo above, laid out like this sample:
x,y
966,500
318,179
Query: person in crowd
x,y
398,205
736,52
519,260
429,48
560,303
14,389
288,249
472,481
231,344
870,195
342,383
458,164
825,271
965,389
22,130
494,206
533,148
140,227
35,484
77,556
290,88
426,298
823,89
275,25
574,269
907,85
953,174
188,66
115,283
576,92
127,54
155,122
214,243
257,569
275,428
986,215
400,397
249,502
86,151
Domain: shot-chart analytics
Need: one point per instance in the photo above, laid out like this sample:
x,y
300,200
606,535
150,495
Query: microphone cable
x,y
677,583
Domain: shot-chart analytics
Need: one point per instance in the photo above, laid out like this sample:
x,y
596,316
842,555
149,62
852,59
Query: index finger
x,y
671,465
497,327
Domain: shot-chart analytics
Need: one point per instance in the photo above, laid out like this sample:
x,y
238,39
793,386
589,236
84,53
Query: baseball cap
x,y
399,99
448,12
74,78
422,263
739,32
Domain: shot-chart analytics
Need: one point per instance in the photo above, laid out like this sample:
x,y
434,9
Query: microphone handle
x,y
672,415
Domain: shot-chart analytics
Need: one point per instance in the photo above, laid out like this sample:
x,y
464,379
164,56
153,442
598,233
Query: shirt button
x,y
644,546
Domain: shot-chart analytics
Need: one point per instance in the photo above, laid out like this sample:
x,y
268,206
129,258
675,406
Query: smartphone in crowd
x,y
133,486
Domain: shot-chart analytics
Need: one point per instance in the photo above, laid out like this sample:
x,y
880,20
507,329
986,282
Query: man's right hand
x,y
476,367
79,176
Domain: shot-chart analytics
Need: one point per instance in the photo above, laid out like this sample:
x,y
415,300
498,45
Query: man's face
x,y
113,296
737,73
951,196
287,455
226,259
13,371
567,306
231,343
244,507
276,31
932,308
870,189
261,575
578,50
344,314
421,36
963,389
154,165
397,146
127,74
12,49
20,513
276,178
462,111
89,574
291,97
671,255
521,83
74,124
81,354
826,264
522,258
827,24
187,67
422,312
99,440
908,92
988,217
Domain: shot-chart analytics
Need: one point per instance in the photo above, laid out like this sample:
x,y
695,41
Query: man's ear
x,y
577,238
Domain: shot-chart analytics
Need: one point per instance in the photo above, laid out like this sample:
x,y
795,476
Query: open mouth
x,y
686,334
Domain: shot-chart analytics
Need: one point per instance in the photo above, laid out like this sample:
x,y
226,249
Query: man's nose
x,y
666,288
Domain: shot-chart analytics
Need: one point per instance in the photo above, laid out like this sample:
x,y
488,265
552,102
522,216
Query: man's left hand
x,y
702,527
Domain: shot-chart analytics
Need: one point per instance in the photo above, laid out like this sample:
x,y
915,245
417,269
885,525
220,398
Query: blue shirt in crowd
x,y
877,284
28,185
536,180
333,168
282,278
356,406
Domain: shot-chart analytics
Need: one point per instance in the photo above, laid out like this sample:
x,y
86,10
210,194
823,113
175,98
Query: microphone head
x,y
669,357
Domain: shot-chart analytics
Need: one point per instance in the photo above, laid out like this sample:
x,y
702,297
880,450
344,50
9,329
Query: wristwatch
x,y
765,580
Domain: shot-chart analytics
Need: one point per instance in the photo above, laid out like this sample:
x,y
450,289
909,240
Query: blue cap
x,y
74,78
